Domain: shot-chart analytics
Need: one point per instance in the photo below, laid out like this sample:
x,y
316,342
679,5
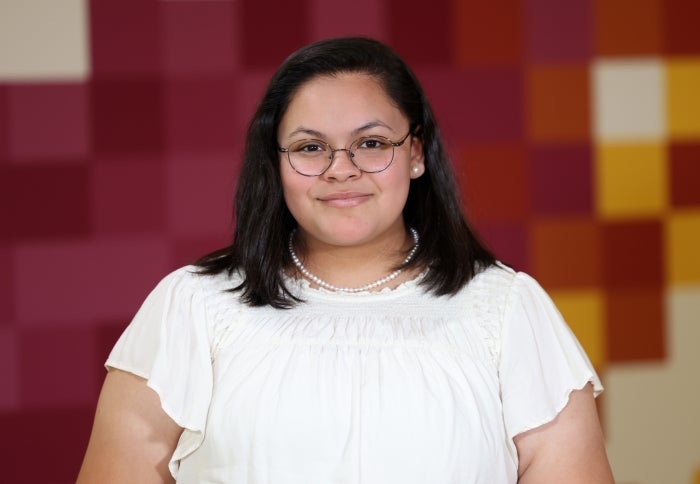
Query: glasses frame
x,y
351,155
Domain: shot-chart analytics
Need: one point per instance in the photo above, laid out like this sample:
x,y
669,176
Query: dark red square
x,y
558,31
128,197
685,174
509,242
125,38
201,116
478,105
633,254
269,32
495,181
488,33
57,366
4,125
43,201
421,33
681,19
127,116
7,285
26,436
561,179
199,38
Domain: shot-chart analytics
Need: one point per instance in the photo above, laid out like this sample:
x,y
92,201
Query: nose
x,y
341,169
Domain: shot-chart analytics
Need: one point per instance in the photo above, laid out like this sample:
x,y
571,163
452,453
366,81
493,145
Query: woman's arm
x,y
132,438
568,449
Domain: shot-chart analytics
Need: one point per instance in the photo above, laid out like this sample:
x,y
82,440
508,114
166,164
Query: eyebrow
x,y
355,132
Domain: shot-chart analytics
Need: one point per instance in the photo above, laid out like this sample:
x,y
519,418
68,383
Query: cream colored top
x,y
395,387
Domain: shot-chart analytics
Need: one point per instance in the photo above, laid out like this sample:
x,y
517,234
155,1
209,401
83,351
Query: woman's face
x,y
345,206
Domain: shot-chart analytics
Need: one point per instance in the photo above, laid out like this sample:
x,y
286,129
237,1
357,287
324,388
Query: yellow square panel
x,y
683,247
584,311
628,100
43,40
683,98
631,180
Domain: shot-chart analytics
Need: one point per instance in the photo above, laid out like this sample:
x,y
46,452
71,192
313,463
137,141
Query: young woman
x,y
355,331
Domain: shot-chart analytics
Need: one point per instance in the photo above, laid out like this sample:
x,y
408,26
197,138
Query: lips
x,y
344,199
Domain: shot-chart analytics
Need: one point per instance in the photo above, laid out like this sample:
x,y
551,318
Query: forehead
x,y
342,101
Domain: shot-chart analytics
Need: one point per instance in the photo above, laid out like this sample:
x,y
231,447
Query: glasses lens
x,y
372,154
309,156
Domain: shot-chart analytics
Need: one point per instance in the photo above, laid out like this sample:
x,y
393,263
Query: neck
x,y
354,269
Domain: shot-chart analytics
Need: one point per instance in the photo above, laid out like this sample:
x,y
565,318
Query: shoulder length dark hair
x,y
449,248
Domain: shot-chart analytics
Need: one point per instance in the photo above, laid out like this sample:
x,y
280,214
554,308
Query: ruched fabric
x,y
397,386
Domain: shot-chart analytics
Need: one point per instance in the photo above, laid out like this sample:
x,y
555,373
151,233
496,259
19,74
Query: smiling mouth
x,y
349,199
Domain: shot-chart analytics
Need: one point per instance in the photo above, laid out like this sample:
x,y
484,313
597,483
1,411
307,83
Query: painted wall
x,y
574,128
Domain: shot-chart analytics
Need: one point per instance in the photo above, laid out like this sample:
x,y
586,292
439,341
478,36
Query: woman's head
x,y
263,220
327,58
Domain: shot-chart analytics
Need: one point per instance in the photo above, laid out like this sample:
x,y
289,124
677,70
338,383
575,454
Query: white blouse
x,y
398,386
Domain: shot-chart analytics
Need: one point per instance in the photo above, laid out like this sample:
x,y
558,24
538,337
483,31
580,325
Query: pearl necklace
x,y
366,287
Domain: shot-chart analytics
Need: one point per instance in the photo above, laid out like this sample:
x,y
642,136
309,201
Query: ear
x,y
417,163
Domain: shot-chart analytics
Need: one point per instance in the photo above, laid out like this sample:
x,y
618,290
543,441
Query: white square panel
x,y
628,100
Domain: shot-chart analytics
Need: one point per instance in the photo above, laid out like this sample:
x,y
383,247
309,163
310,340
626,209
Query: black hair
x,y
449,248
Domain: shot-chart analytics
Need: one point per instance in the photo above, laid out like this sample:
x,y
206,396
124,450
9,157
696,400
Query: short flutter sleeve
x,y
541,361
168,344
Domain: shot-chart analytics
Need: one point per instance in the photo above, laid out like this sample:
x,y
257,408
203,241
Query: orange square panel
x,y
558,103
635,324
627,27
566,252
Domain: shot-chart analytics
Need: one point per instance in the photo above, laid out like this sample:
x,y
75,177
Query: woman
x,y
355,330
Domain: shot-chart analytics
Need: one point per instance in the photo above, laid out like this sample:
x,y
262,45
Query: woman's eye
x,y
310,148
373,144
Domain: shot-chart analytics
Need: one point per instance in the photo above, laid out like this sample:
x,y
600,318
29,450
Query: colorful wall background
x,y
574,127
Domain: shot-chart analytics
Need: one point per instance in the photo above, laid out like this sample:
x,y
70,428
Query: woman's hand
x,y
568,449
132,437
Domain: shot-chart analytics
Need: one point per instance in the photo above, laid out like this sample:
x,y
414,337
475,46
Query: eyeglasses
x,y
370,154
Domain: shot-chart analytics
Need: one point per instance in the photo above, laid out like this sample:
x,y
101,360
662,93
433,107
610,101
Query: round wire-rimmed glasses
x,y
370,154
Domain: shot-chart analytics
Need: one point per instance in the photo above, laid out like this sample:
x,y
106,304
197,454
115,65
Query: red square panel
x,y
48,121
4,124
561,179
685,174
495,181
25,437
198,38
9,369
488,33
201,115
200,191
270,32
680,26
43,200
478,105
509,242
635,328
633,253
109,279
127,116
125,37
57,366
558,31
359,17
420,33
128,197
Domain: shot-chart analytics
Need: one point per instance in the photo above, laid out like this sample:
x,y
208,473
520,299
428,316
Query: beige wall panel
x,y
43,40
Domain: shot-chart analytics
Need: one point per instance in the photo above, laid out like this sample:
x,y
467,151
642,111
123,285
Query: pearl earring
x,y
415,170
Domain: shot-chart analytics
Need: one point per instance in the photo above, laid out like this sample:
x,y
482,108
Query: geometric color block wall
x,y
574,128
